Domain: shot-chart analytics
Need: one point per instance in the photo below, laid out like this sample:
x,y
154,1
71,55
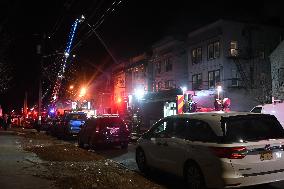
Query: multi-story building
x,y
232,55
169,64
138,74
119,91
277,72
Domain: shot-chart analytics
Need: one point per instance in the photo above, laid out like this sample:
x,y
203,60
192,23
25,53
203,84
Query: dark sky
x,y
130,29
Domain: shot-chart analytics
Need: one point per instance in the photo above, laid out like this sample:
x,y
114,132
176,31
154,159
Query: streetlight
x,y
139,93
183,89
83,92
219,89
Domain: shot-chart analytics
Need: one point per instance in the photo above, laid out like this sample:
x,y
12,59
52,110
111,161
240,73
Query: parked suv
x,y
217,150
70,124
104,130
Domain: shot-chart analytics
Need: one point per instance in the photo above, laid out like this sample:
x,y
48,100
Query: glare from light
x,y
83,92
82,18
184,89
219,88
139,93
71,87
66,54
119,100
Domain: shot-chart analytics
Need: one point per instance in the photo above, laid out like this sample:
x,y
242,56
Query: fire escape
x,y
238,59
243,56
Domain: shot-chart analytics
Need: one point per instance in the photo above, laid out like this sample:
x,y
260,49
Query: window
x,y
235,80
194,130
197,82
256,110
213,50
213,78
162,129
253,128
158,67
216,49
234,48
168,65
169,84
160,85
210,51
196,55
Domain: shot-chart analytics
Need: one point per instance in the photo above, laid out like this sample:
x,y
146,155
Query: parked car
x,y
69,125
276,109
215,150
104,130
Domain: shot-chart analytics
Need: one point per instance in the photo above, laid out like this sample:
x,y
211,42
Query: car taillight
x,y
97,128
230,152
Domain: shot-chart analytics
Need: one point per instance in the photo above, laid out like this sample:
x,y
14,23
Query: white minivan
x,y
276,109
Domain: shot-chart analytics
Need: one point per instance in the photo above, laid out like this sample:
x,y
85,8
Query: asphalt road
x,y
19,169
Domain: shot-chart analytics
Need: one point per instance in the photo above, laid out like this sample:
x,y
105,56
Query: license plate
x,y
266,155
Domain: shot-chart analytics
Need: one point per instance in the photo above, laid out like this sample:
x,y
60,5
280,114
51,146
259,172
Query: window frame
x,y
198,84
214,80
196,55
213,50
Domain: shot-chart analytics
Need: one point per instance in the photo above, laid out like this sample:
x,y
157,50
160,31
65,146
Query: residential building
x,y
169,64
138,74
232,55
119,86
277,72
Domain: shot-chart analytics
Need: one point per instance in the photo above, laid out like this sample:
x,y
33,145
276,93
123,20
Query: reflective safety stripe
x,y
180,103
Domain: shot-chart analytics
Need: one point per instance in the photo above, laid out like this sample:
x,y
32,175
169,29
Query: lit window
x,y
234,48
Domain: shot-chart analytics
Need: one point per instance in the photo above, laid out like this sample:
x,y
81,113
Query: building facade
x,y
277,72
169,64
232,55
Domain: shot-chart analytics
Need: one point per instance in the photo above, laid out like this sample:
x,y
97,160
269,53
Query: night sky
x,y
128,30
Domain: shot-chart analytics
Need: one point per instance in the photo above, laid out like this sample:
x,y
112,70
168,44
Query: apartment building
x,y
169,64
232,55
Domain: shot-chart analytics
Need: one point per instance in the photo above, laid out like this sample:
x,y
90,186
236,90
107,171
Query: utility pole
x,y
40,51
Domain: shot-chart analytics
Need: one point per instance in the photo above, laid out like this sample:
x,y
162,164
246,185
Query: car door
x,y
188,140
156,144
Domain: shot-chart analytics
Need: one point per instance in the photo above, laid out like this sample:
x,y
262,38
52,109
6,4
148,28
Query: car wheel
x,y
194,177
124,145
141,161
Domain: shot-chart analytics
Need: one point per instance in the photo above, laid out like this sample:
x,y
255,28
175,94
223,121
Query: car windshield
x,y
76,117
252,128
